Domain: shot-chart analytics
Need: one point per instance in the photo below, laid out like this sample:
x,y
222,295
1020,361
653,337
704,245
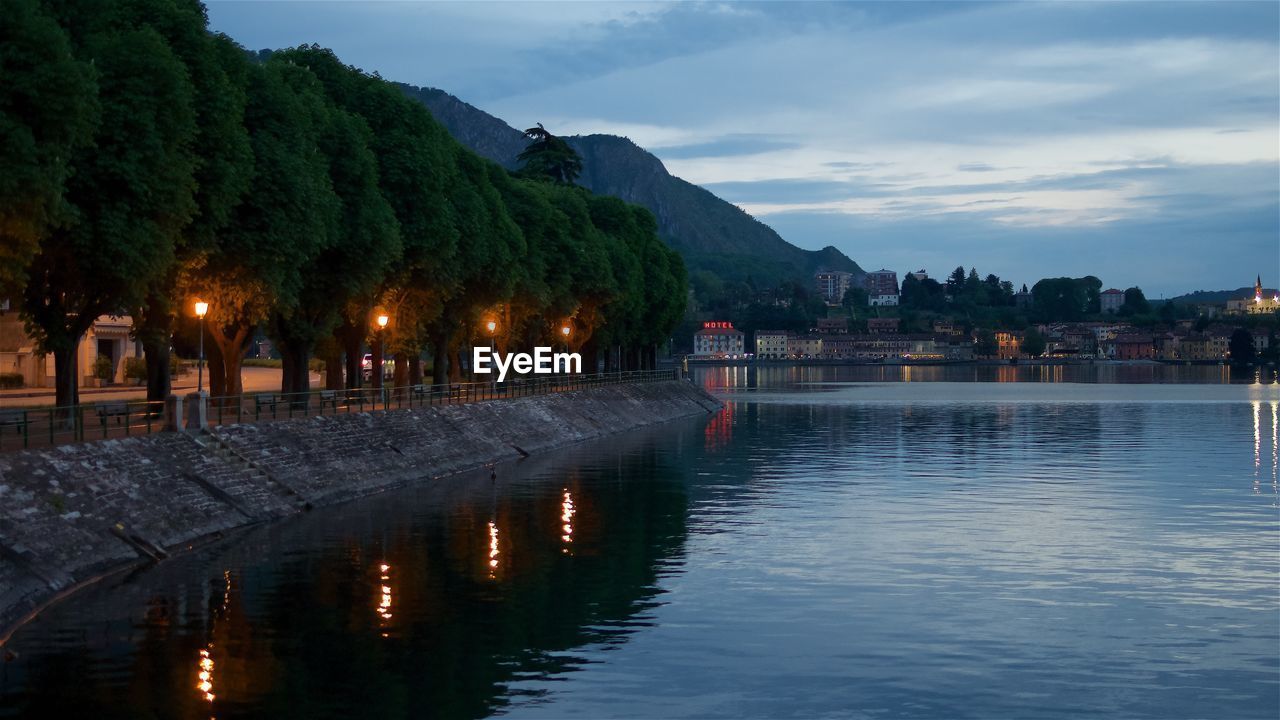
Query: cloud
x,y
1091,124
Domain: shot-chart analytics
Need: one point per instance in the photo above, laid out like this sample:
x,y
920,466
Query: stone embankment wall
x,y
70,514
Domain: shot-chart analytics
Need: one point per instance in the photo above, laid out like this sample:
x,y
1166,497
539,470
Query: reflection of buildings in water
x,y
719,429
567,512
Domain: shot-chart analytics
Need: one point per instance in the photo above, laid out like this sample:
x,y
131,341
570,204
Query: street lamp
x,y
202,309
375,367
492,327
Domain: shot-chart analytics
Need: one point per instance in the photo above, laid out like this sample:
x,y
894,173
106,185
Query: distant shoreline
x,y
919,363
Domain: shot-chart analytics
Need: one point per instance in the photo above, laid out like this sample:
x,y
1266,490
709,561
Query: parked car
x,y
388,367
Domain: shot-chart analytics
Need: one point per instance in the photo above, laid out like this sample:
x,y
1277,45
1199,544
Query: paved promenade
x,y
255,379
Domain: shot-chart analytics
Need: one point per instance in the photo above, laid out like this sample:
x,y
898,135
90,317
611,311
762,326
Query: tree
x,y
1135,303
550,157
288,217
1241,346
1033,343
48,105
856,296
351,268
224,164
132,192
986,344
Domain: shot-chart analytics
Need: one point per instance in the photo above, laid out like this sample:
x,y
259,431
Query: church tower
x,y
1257,289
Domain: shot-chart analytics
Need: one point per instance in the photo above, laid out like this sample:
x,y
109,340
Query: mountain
x,y
711,234
1218,297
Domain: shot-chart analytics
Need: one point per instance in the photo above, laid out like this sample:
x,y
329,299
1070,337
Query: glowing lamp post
x,y
492,327
375,370
202,309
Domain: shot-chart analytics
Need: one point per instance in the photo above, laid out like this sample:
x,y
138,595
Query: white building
x,y
883,300
718,339
772,344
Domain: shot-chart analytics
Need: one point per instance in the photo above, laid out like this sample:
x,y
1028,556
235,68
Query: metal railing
x,y
46,427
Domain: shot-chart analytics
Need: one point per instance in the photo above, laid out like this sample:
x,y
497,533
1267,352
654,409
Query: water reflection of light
x,y
719,429
205,686
1257,441
567,512
385,600
493,548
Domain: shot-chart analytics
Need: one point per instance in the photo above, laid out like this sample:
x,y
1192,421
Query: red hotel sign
x,y
717,325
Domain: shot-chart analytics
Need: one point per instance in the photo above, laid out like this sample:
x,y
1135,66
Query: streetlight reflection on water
x,y
567,511
385,597
493,549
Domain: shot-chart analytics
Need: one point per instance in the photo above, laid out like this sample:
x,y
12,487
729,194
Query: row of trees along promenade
x,y
147,163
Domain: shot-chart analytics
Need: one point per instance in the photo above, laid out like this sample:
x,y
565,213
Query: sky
x,y
1135,141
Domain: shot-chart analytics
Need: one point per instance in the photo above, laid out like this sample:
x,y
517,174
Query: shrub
x,y
261,362
102,367
11,380
177,367
135,368
316,365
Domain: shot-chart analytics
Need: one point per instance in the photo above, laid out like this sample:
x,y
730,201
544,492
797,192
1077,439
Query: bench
x,y
328,398
14,418
265,400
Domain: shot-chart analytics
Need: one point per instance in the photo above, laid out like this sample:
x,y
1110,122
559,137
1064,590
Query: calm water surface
x,y
829,545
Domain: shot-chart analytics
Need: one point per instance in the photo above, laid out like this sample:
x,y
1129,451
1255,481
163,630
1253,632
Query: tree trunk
x,y
351,338
440,359
66,385
333,371
156,334
401,377
415,369
232,350
295,375
159,384
215,372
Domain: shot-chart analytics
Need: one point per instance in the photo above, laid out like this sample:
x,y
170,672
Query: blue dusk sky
x,y
1136,141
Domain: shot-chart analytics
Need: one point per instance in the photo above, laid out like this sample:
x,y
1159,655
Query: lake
x,y
867,542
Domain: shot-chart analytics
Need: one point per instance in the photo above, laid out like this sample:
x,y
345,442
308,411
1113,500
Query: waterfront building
x,y
718,339
830,325
804,346
1167,345
108,337
1261,342
1135,346
1008,344
832,285
838,347
1111,300
877,326
772,344
883,300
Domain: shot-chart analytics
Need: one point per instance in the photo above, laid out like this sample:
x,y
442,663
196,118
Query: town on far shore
x,y
872,318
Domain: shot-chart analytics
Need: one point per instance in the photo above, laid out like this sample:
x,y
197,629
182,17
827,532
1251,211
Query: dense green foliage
x,y
147,162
